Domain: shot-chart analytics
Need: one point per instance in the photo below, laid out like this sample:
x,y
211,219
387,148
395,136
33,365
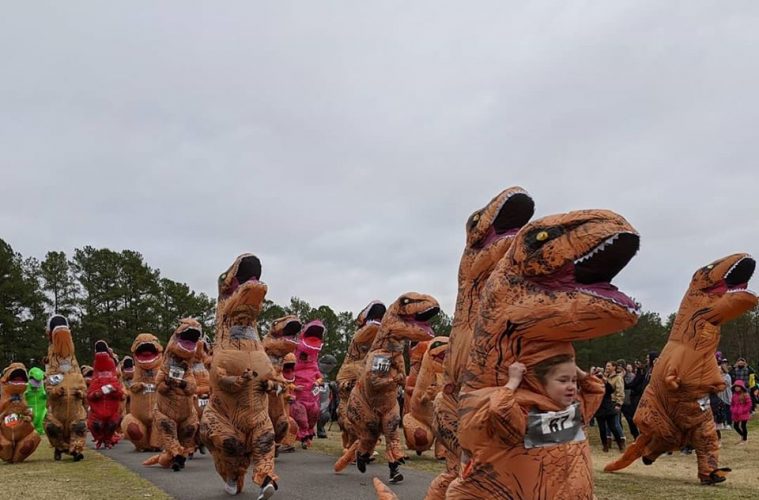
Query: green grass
x,y
672,476
94,478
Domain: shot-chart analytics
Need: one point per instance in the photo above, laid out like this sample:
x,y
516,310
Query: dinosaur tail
x,y
383,492
152,460
631,454
347,457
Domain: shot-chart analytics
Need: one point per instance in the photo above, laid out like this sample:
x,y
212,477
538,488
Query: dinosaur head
x,y
184,340
126,367
104,362
489,230
59,334
147,350
327,363
555,281
718,292
368,323
36,377
288,367
408,318
283,336
241,293
312,336
371,314
416,351
435,355
14,379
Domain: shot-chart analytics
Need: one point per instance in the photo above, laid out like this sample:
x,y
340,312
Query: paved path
x,y
305,475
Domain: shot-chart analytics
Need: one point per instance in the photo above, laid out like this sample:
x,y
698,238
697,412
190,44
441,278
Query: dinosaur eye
x,y
542,236
222,277
476,217
405,301
710,266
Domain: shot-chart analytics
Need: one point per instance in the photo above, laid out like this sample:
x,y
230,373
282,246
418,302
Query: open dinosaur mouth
x,y
422,319
292,328
736,279
440,356
146,352
101,346
18,377
376,312
591,273
515,212
288,371
128,365
249,269
313,336
188,339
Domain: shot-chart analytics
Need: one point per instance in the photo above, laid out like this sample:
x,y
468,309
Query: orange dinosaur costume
x,y
236,427
280,341
368,322
202,379
137,425
373,407
417,423
489,232
550,289
175,417
674,410
66,419
18,439
415,356
288,375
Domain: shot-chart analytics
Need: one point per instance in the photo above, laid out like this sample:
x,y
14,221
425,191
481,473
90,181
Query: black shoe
x,y
395,474
57,455
202,449
78,457
321,435
362,459
177,463
267,489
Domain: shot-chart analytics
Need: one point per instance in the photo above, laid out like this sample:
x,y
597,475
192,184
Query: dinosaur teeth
x,y
600,247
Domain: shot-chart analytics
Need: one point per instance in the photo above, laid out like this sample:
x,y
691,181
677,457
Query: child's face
x,y
561,383
738,388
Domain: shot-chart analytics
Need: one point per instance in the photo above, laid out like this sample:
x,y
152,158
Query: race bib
x,y
11,420
202,402
703,403
176,372
381,364
315,391
55,379
149,388
107,389
64,365
554,427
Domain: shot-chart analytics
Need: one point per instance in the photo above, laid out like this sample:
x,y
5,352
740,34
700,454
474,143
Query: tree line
x,y
114,296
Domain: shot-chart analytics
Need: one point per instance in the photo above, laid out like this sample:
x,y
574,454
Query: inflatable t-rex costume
x,y
305,409
175,417
137,425
36,398
415,356
288,375
417,423
105,395
489,232
66,419
550,289
236,426
327,364
278,343
87,372
18,439
126,375
674,410
368,322
373,407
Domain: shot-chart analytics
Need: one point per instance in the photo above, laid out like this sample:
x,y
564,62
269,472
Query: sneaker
x,y
230,487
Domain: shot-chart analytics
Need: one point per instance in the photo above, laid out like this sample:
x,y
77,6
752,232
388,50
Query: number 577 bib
x,y
552,428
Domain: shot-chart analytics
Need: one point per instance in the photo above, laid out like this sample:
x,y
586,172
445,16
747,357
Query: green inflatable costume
x,y
36,398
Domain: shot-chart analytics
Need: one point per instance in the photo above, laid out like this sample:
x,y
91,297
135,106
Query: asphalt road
x,y
303,475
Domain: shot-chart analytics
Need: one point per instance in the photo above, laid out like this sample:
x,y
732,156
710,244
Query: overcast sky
x,y
346,143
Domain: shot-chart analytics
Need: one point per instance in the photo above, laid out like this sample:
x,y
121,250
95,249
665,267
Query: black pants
x,y
740,428
607,425
629,412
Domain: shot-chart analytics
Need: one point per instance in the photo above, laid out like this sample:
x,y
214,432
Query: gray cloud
x,y
346,144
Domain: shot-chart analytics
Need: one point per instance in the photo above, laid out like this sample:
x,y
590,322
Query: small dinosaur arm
x,y
125,372
105,396
305,409
415,357
175,417
368,322
373,407
489,233
137,425
281,340
18,438
674,409
236,427
66,419
417,424
553,287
